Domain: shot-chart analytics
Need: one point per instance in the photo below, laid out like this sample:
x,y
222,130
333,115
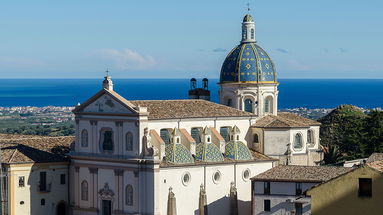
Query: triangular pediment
x,y
106,101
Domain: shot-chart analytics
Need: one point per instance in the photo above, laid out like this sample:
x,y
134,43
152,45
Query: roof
x,y
237,151
248,63
177,153
377,165
375,157
285,120
188,108
291,173
208,152
248,18
16,149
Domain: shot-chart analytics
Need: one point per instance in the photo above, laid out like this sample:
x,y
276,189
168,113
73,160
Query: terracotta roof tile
x,y
375,157
33,149
188,108
302,173
285,120
378,165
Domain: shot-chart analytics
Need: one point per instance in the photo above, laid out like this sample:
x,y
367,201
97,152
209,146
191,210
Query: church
x,y
192,156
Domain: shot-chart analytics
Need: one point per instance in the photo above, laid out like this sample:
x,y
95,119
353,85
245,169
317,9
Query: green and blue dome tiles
x,y
178,153
237,151
248,62
208,152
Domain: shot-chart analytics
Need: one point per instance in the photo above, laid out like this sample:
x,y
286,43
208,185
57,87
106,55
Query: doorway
x,y
106,207
61,209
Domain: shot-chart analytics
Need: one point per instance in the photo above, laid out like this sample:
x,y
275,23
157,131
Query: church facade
x,y
187,156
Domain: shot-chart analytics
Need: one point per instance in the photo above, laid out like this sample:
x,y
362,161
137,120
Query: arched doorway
x,y
61,209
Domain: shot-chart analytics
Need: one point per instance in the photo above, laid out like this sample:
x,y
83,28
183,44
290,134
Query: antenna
x,y
248,7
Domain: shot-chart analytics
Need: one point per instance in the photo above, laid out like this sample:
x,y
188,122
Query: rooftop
x,y
285,120
190,108
284,173
377,165
16,149
375,157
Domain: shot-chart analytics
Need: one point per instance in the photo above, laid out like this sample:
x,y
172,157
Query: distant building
x,y
281,190
356,192
34,174
199,93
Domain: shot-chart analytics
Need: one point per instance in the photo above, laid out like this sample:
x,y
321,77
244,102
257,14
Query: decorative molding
x,y
77,121
135,172
93,122
106,193
119,123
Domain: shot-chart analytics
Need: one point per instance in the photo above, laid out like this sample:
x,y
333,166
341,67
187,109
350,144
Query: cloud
x,y
219,50
342,50
281,50
128,59
200,50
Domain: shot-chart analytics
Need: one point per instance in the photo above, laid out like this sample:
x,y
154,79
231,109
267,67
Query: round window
x,y
246,174
186,178
217,177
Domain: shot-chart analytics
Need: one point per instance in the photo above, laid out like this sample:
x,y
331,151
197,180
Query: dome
x,y
237,151
178,153
248,62
208,152
248,18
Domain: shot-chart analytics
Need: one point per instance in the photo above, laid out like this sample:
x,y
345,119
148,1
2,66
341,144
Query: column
x,y
77,186
93,182
93,136
77,135
118,173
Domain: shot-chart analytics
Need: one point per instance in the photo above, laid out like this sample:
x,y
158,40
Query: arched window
x,y
106,140
269,104
252,33
129,141
84,138
298,141
310,137
244,34
249,105
129,195
195,133
165,136
84,190
255,138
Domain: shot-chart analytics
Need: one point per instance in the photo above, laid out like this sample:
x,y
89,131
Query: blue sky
x,y
183,39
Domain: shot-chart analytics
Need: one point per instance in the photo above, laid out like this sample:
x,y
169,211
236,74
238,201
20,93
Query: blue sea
x,y
293,93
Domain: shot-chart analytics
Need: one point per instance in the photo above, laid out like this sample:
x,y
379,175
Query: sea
x,y
293,93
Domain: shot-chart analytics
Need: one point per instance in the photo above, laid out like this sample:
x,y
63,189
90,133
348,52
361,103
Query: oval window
x,y
186,178
217,177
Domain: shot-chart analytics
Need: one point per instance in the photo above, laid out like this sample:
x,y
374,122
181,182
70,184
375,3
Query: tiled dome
x,y
177,153
208,152
237,151
248,62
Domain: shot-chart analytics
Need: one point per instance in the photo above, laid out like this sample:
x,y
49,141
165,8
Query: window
x,y
186,178
249,105
43,181
244,34
229,102
246,174
266,187
365,187
298,188
252,33
107,140
42,201
21,181
129,141
62,179
165,136
129,195
225,133
195,133
298,209
84,190
255,138
268,104
310,137
217,177
84,138
266,205
297,141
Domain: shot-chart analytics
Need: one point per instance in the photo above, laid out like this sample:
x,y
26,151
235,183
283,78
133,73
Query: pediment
x,y
106,101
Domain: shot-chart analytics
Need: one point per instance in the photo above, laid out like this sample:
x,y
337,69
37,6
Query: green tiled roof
x,y
237,151
178,153
208,152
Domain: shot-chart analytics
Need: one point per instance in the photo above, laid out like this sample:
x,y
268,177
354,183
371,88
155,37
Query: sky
x,y
184,39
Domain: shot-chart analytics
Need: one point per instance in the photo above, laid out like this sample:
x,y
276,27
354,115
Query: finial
x,y
248,7
107,72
